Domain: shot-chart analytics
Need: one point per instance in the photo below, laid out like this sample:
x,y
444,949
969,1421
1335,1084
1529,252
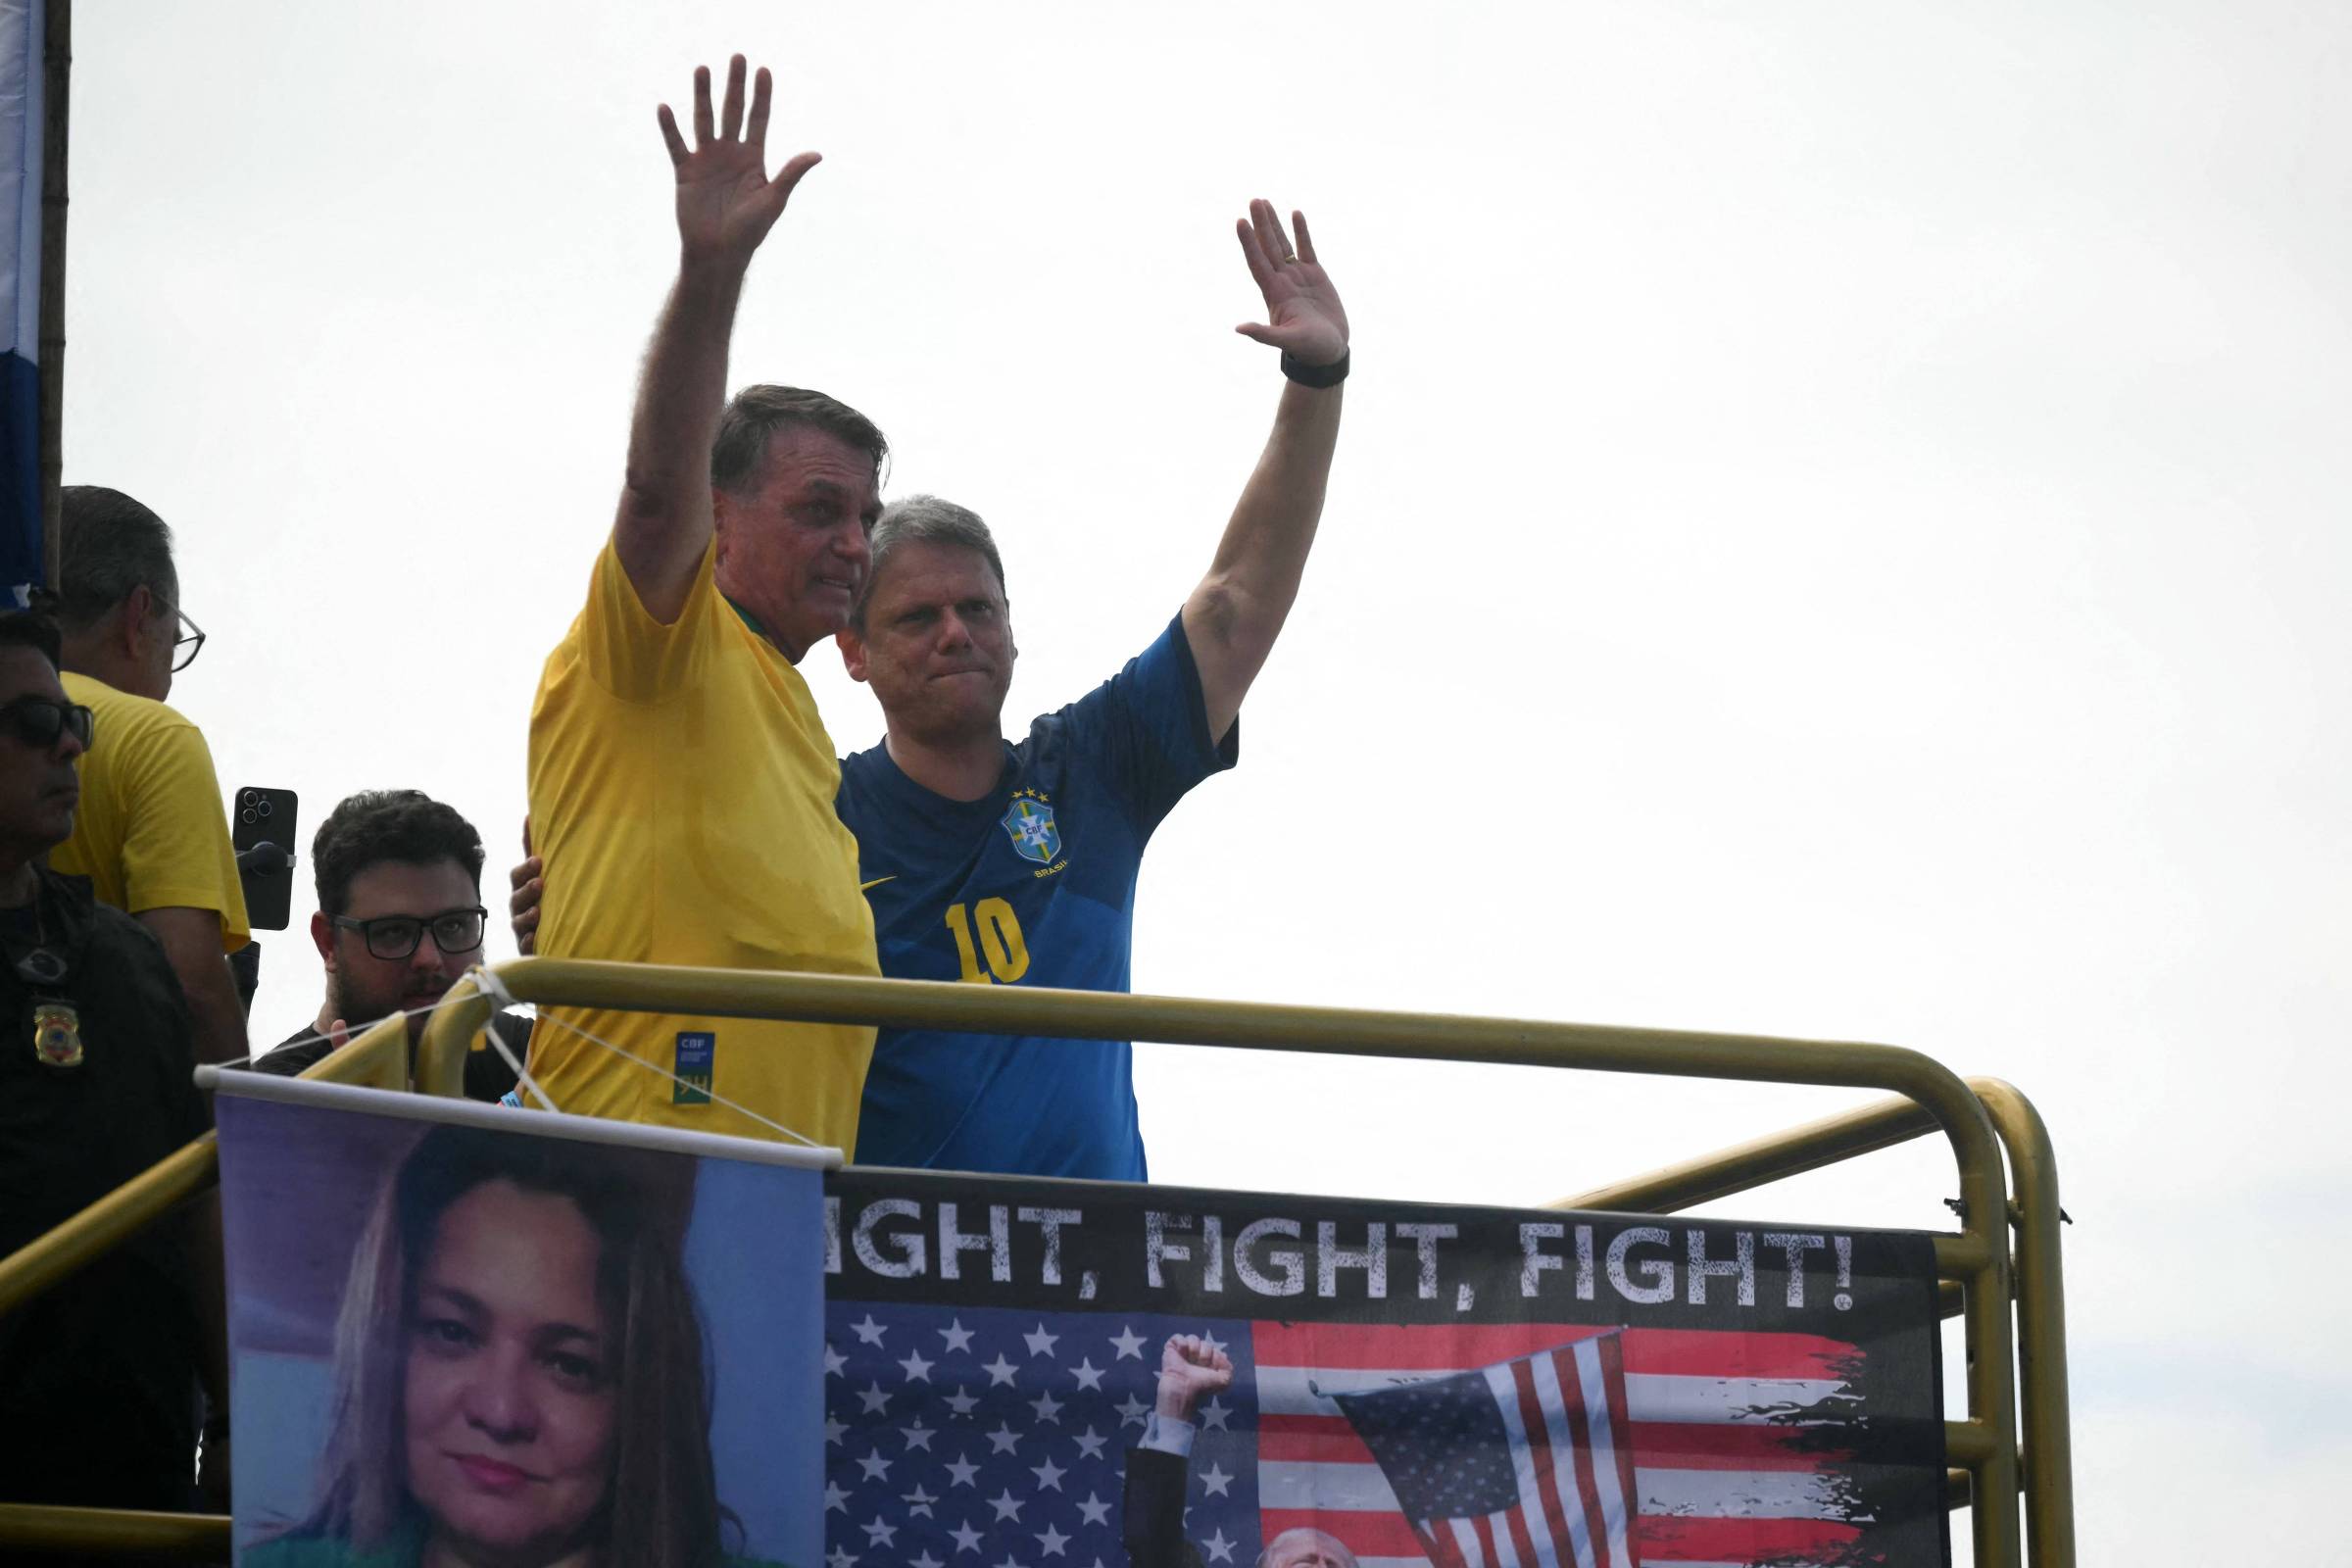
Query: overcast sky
x,y
1840,532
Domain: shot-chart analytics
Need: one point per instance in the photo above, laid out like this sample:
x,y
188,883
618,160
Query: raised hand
x,y
1190,1370
1303,316
726,201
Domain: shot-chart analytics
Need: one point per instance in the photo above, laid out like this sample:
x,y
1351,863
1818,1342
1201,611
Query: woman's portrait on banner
x,y
518,1371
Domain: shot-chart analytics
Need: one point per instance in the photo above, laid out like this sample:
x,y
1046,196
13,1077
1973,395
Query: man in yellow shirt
x,y
680,776
151,834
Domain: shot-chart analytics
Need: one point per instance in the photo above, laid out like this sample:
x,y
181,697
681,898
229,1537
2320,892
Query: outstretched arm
x,y
725,206
1233,615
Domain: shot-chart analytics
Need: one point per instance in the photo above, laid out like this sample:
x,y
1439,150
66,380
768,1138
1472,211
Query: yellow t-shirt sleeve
x,y
176,845
625,651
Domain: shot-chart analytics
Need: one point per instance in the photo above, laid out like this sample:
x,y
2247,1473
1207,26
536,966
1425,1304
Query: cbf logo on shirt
x,y
1030,822
697,1051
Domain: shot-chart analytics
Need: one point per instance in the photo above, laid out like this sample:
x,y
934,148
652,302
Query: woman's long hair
x,y
660,1506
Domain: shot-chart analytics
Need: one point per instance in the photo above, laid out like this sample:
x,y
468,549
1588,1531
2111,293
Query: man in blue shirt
x,y
996,863
1001,864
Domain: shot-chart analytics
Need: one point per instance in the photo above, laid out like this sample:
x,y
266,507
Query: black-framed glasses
x,y
39,722
188,644
396,936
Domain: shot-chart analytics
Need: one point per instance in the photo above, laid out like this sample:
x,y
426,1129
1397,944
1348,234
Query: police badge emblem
x,y
57,1034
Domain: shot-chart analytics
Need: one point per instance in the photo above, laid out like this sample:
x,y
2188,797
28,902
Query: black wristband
x,y
1306,374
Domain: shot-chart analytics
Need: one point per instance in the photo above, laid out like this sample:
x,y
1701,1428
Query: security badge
x,y
57,1034
56,1026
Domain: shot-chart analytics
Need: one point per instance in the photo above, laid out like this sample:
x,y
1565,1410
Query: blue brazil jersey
x,y
1032,884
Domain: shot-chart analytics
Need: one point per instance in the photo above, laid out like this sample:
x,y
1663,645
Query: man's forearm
x,y
1239,609
220,1019
191,942
664,515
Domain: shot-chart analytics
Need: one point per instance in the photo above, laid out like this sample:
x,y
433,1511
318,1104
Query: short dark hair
x,y
926,520
379,825
24,628
752,416
106,545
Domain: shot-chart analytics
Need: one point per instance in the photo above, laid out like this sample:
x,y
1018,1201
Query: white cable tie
x,y
523,1075
487,982
712,1095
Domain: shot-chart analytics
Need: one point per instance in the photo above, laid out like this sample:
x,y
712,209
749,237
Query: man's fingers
x,y
1269,230
1261,271
677,155
701,106
790,175
1307,246
756,131
730,111
527,871
1259,334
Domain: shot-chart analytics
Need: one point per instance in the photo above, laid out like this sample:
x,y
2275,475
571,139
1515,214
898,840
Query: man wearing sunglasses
x,y
400,917
151,836
98,1373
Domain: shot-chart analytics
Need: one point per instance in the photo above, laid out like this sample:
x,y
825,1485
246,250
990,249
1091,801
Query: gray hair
x,y
925,520
106,545
753,416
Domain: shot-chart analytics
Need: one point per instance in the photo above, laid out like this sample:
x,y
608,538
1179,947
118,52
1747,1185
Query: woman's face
x,y
508,1385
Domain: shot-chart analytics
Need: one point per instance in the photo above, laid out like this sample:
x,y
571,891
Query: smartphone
x,y
261,827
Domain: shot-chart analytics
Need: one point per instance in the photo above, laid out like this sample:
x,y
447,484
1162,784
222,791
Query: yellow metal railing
x,y
2046,1455
1977,1255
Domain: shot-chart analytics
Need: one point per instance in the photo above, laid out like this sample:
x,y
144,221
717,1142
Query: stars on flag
x,y
1035,1479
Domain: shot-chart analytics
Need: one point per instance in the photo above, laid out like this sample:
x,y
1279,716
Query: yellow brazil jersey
x,y
150,832
681,790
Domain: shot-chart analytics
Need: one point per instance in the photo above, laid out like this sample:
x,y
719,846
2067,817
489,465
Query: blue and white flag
x,y
21,110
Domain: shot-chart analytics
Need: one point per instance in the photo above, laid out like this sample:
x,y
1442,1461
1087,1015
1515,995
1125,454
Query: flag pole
x,y
57,70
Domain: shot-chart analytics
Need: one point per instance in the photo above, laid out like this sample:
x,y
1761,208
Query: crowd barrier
x,y
2004,1259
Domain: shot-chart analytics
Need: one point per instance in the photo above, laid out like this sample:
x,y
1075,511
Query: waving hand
x,y
726,201
1303,316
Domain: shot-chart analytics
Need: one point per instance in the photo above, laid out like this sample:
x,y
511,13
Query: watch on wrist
x,y
1306,374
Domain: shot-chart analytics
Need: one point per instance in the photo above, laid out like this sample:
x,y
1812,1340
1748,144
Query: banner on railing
x,y
462,1333
1042,1375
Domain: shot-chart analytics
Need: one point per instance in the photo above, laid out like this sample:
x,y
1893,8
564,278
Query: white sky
x,y
1839,533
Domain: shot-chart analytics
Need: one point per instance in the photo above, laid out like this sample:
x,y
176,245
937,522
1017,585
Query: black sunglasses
x,y
396,936
40,720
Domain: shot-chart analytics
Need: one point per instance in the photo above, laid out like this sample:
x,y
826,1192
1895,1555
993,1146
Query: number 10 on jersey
x,y
992,932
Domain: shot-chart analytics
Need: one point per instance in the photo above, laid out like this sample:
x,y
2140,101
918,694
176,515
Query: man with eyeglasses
x,y
98,1372
151,835
400,918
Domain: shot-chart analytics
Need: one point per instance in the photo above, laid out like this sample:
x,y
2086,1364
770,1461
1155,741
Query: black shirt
x,y
98,1373
487,1075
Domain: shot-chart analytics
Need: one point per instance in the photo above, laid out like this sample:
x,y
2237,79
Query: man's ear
x,y
131,632
721,516
853,652
322,937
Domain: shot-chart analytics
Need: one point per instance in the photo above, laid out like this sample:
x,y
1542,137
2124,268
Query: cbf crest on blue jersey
x,y
1030,822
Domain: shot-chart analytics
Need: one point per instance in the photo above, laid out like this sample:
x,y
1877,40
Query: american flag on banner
x,y
1524,1464
989,1437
